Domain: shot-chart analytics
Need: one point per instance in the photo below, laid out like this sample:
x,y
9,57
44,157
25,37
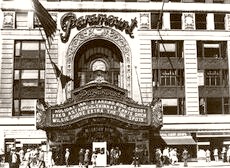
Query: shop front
x,y
100,112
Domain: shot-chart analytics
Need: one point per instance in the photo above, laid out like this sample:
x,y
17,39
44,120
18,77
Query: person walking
x,y
67,155
50,161
185,157
87,158
81,157
27,158
21,155
94,159
228,155
208,155
41,159
14,160
158,156
166,156
215,154
136,157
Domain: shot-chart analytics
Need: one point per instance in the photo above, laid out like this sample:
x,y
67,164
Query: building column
x,y
210,21
191,78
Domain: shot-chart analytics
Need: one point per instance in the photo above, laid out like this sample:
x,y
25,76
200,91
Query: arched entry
x,y
98,58
112,38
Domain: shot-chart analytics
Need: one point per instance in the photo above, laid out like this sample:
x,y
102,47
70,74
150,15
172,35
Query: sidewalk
x,y
179,165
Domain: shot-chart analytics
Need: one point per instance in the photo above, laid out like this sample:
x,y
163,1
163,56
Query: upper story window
x,y
219,21
170,77
21,20
175,20
200,20
167,48
29,76
212,49
213,77
156,20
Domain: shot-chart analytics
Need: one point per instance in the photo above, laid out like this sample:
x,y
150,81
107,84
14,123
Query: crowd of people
x,y
170,156
224,154
35,157
32,157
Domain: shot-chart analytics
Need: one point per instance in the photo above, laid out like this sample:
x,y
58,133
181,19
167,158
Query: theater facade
x,y
143,74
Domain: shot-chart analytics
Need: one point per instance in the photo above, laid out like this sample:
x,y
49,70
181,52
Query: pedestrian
x,y
223,154
41,159
174,156
136,157
208,155
228,154
158,156
50,161
81,157
14,160
67,155
21,155
112,153
94,159
87,158
185,157
117,155
166,156
28,158
215,154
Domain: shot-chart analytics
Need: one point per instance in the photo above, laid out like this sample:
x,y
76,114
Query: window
x,y
214,106
167,78
173,106
175,20
219,21
21,20
213,77
212,49
156,21
167,48
29,76
200,21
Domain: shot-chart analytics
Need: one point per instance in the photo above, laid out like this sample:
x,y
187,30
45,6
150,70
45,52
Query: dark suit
x,y
14,160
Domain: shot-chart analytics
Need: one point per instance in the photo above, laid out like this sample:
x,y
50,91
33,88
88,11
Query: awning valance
x,y
179,140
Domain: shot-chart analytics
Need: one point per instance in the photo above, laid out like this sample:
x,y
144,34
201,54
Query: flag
x,y
46,20
64,79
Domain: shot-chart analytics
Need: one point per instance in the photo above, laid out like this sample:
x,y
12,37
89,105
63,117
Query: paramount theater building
x,y
119,58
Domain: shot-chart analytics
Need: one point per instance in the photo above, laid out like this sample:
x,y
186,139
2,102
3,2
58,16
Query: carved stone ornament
x,y
8,20
188,21
104,33
144,21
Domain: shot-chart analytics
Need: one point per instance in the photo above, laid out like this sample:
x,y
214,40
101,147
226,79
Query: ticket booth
x,y
101,151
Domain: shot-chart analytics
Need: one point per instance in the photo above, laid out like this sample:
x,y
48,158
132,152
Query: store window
x,y
156,20
200,20
175,20
219,21
29,76
212,49
167,48
21,20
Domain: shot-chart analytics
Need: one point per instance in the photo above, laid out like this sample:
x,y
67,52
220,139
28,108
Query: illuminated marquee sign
x,y
70,21
92,108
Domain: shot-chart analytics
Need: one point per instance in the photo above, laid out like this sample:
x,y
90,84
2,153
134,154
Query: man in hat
x,y
14,160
